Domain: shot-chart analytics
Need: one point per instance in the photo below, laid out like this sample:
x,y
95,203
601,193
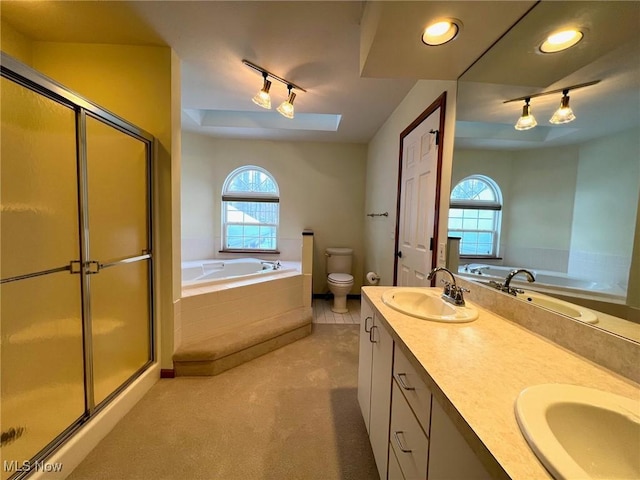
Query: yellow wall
x,y
15,43
141,85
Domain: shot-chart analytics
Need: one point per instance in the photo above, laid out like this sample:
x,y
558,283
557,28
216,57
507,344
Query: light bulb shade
x,y
526,121
286,108
263,98
563,114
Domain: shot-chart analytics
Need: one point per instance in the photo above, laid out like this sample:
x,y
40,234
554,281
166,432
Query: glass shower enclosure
x,y
76,268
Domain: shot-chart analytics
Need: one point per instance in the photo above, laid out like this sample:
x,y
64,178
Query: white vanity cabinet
x,y
449,454
374,382
410,420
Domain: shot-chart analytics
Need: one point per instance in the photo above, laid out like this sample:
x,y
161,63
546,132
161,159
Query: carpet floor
x,y
290,414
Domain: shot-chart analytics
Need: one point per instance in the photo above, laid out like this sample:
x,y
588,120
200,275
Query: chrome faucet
x,y
505,287
452,293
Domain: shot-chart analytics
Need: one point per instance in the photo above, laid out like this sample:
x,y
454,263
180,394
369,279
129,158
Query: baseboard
x,y
167,373
327,296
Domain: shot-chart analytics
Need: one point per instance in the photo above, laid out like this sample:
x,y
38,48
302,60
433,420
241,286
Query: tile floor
x,y
322,312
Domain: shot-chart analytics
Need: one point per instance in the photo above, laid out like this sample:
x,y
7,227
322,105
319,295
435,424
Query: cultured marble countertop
x,y
476,371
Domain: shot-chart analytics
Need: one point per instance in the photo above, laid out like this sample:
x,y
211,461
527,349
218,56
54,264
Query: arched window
x,y
474,216
250,210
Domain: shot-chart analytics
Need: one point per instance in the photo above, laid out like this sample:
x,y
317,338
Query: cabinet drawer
x,y
395,473
413,388
408,441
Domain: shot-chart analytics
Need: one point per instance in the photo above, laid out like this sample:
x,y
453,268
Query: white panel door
x,y
417,202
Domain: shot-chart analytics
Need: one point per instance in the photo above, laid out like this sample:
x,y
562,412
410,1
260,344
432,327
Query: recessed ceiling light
x,y
441,32
558,41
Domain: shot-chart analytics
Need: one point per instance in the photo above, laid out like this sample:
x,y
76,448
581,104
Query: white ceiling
x,y
315,44
357,60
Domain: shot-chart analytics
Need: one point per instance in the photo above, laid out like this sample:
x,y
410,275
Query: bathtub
x,y
210,272
546,281
222,295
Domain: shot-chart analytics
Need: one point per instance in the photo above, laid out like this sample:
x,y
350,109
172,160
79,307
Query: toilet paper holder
x,y
373,277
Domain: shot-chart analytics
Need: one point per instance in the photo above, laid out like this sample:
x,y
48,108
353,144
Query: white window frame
x,y
479,205
253,197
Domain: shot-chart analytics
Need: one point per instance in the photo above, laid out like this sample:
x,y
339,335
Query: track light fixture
x,y
563,114
526,121
263,97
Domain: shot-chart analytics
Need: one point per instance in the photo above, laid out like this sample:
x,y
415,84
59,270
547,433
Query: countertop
x,y
476,371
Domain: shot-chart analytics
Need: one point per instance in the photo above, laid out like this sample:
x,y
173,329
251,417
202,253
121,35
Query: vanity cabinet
x,y
449,454
374,382
410,420
411,436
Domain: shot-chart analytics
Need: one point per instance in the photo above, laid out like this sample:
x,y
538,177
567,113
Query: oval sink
x,y
580,432
559,306
427,304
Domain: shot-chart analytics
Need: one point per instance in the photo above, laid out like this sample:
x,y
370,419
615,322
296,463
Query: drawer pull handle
x,y
371,334
402,448
365,324
401,377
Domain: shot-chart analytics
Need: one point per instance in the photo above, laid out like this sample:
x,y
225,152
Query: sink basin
x,y
427,304
581,433
559,306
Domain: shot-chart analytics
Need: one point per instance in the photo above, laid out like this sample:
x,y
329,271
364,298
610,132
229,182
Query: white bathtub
x,y
546,281
221,295
210,272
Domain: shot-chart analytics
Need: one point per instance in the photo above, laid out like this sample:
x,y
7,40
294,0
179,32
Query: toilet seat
x,y
340,278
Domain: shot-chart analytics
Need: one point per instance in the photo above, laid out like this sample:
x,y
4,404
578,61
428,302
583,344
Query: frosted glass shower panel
x,y
120,325
117,185
42,362
39,211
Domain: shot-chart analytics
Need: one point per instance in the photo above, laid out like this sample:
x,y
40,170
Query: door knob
x,y
399,254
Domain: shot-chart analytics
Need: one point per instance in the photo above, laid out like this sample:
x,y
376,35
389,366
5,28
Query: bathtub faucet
x,y
512,290
452,293
275,265
478,270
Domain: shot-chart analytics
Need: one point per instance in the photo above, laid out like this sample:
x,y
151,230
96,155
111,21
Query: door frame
x,y
440,102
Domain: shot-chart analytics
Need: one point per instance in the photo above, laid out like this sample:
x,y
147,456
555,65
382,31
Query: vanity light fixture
x,y
563,114
526,121
263,98
441,32
559,41
286,107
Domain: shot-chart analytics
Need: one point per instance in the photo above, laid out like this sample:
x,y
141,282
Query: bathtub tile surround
x,y
607,268
207,311
618,354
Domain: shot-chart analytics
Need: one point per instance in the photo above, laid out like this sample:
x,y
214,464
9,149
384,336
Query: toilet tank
x,y
339,260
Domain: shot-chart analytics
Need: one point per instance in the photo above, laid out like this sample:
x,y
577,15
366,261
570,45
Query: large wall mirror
x,y
559,199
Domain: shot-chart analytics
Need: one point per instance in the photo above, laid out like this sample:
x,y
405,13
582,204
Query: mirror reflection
x,y
557,199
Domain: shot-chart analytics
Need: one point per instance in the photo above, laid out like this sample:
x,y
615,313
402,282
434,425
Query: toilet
x,y
339,276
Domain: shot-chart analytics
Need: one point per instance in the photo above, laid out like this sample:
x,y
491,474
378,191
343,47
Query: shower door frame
x,y
27,77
